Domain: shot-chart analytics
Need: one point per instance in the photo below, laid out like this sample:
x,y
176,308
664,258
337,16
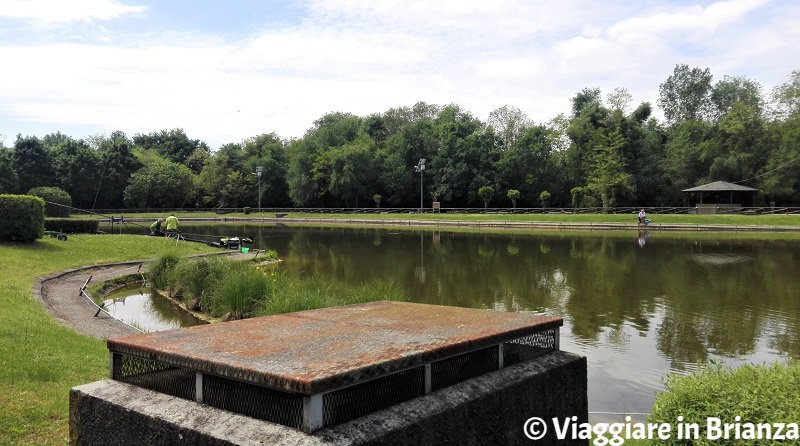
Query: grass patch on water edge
x,y
231,289
42,359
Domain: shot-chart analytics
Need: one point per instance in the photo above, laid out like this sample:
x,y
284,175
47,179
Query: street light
x,y
421,169
258,175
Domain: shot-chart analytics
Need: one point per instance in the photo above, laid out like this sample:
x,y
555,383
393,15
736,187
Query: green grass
x,y
41,360
765,393
689,219
232,289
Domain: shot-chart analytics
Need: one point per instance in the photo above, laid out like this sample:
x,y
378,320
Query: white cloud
x,y
365,56
61,11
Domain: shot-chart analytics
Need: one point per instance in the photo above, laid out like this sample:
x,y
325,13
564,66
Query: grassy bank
x,y
41,360
687,219
227,289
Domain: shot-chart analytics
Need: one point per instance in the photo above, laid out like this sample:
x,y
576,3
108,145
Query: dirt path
x,y
60,295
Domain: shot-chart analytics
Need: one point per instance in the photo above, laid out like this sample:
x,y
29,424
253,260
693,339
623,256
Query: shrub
x,y
756,393
71,225
160,271
21,218
237,289
199,278
247,210
57,201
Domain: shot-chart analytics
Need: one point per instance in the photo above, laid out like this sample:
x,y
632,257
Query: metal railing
x,y
278,212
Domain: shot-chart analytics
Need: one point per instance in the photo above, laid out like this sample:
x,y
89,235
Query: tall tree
x,y
508,124
160,185
733,89
119,164
786,97
173,144
529,165
686,94
32,163
269,152
77,168
608,175
9,183
466,157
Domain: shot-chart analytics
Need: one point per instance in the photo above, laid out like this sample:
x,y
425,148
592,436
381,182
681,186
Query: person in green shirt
x,y
172,224
155,228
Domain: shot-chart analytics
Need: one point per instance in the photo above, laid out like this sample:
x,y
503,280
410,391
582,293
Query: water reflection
x,y
136,306
638,304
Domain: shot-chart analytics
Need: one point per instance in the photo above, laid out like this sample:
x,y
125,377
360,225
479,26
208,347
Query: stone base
x,y
490,409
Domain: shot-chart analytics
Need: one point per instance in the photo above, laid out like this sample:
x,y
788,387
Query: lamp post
x,y
258,175
421,169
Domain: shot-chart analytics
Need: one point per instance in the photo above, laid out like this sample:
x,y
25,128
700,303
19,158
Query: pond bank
x,y
59,293
493,224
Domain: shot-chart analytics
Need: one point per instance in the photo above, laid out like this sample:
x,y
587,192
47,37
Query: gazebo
x,y
719,188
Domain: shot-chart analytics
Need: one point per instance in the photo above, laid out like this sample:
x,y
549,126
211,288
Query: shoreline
x,y
488,224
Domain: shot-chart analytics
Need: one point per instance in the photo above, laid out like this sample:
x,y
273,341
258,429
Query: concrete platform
x,y
486,410
317,368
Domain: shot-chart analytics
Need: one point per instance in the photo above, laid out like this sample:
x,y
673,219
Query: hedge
x,y
57,201
21,218
72,226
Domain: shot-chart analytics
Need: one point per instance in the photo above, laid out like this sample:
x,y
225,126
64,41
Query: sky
x,y
228,70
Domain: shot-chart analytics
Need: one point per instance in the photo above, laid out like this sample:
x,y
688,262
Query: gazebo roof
x,y
720,186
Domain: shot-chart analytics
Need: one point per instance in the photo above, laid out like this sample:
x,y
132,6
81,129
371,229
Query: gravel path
x,y
60,294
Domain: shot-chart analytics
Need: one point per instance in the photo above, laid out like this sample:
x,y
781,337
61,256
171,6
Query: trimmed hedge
x,y
21,218
55,197
72,226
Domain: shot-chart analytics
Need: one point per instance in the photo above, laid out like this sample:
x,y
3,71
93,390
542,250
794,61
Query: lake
x,y
638,305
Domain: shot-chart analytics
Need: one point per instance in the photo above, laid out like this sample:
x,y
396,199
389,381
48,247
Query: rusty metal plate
x,y
316,351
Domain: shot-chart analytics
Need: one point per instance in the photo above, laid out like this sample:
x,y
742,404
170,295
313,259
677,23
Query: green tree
x,y
684,162
160,185
77,168
544,198
173,144
733,89
741,148
32,163
686,94
211,181
237,191
9,182
513,195
508,123
486,193
786,97
530,164
57,202
269,152
352,171
302,186
607,174
119,163
466,156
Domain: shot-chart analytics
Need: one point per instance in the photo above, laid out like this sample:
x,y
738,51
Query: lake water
x,y
637,305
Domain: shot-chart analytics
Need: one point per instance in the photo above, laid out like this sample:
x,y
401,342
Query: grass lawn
x,y
688,219
41,360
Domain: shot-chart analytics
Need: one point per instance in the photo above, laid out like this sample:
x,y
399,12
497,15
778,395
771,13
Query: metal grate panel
x,y
361,399
154,375
529,347
254,401
463,367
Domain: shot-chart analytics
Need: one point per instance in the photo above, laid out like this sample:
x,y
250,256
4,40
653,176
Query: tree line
x,y
606,152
